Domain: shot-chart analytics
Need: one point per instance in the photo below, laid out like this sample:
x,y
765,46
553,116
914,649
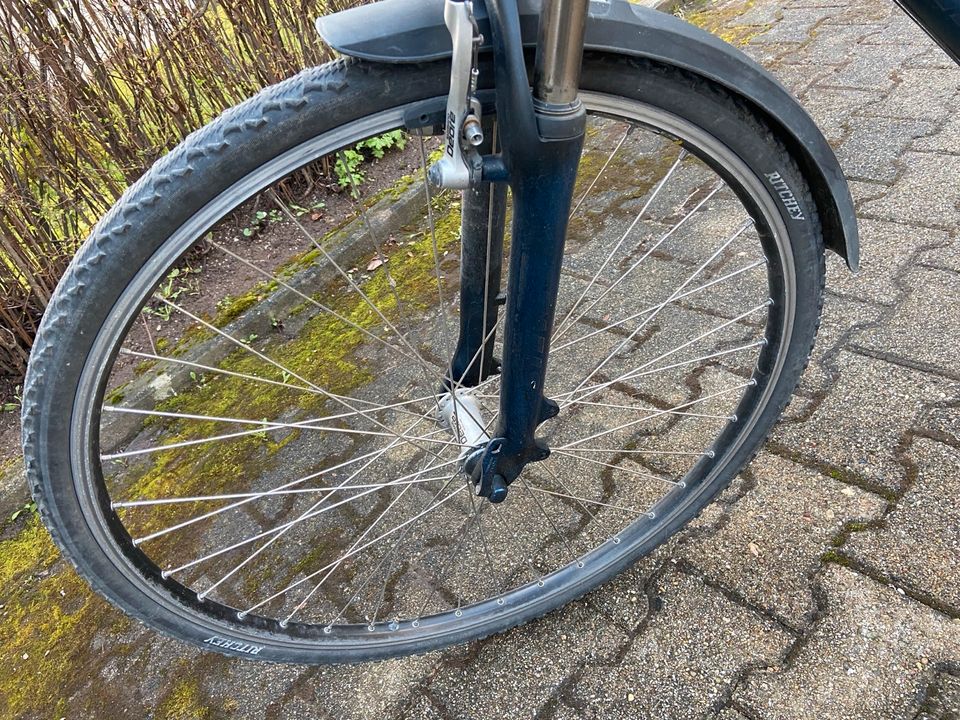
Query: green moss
x,y
232,306
326,352
31,550
45,625
183,702
717,20
833,556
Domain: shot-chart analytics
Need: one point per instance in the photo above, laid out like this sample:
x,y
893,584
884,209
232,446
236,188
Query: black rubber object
x,y
244,138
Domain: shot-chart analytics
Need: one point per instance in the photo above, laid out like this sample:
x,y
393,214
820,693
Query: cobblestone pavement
x,y
824,584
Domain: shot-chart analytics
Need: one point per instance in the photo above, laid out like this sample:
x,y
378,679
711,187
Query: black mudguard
x,y
401,31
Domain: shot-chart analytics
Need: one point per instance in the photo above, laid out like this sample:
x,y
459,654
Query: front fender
x,y
399,31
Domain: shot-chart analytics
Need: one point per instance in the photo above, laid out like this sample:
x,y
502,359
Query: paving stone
x,y
862,191
423,709
914,333
926,194
730,714
362,692
523,668
772,541
624,599
857,13
931,57
873,70
796,26
901,30
943,419
919,541
873,146
830,108
885,248
943,698
799,78
687,657
562,711
769,54
945,140
833,47
840,315
858,425
942,256
924,94
866,658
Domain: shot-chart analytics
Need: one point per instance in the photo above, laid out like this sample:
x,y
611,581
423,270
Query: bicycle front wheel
x,y
230,417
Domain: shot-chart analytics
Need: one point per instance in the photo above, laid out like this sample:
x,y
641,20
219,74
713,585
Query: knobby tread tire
x,y
278,118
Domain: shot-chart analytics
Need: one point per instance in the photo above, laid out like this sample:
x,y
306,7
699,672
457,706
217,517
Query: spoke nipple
x,y
540,583
753,382
652,515
580,563
770,301
284,623
415,623
733,418
394,626
459,613
165,574
201,596
499,601
370,628
242,615
616,541
326,630
682,484
711,454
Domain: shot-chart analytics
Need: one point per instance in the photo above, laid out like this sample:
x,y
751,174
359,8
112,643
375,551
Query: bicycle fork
x,y
540,137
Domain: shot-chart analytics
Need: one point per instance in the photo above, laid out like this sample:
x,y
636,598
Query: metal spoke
x,y
593,389
312,575
272,493
646,311
619,468
263,426
565,324
219,371
352,283
634,423
311,300
337,398
662,305
593,502
602,170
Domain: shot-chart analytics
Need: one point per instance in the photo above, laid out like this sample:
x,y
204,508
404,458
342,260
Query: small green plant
x,y
14,405
28,508
314,209
348,169
348,162
262,218
170,290
381,143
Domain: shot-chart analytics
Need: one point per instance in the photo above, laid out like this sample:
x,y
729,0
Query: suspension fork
x,y
541,138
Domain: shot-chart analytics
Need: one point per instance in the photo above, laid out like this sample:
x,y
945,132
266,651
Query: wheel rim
x,y
543,585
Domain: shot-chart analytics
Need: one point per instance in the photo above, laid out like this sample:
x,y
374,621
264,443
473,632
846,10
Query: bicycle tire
x,y
284,126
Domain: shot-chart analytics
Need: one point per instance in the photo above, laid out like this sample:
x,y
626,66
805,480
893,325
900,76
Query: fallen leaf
x,y
754,549
375,263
